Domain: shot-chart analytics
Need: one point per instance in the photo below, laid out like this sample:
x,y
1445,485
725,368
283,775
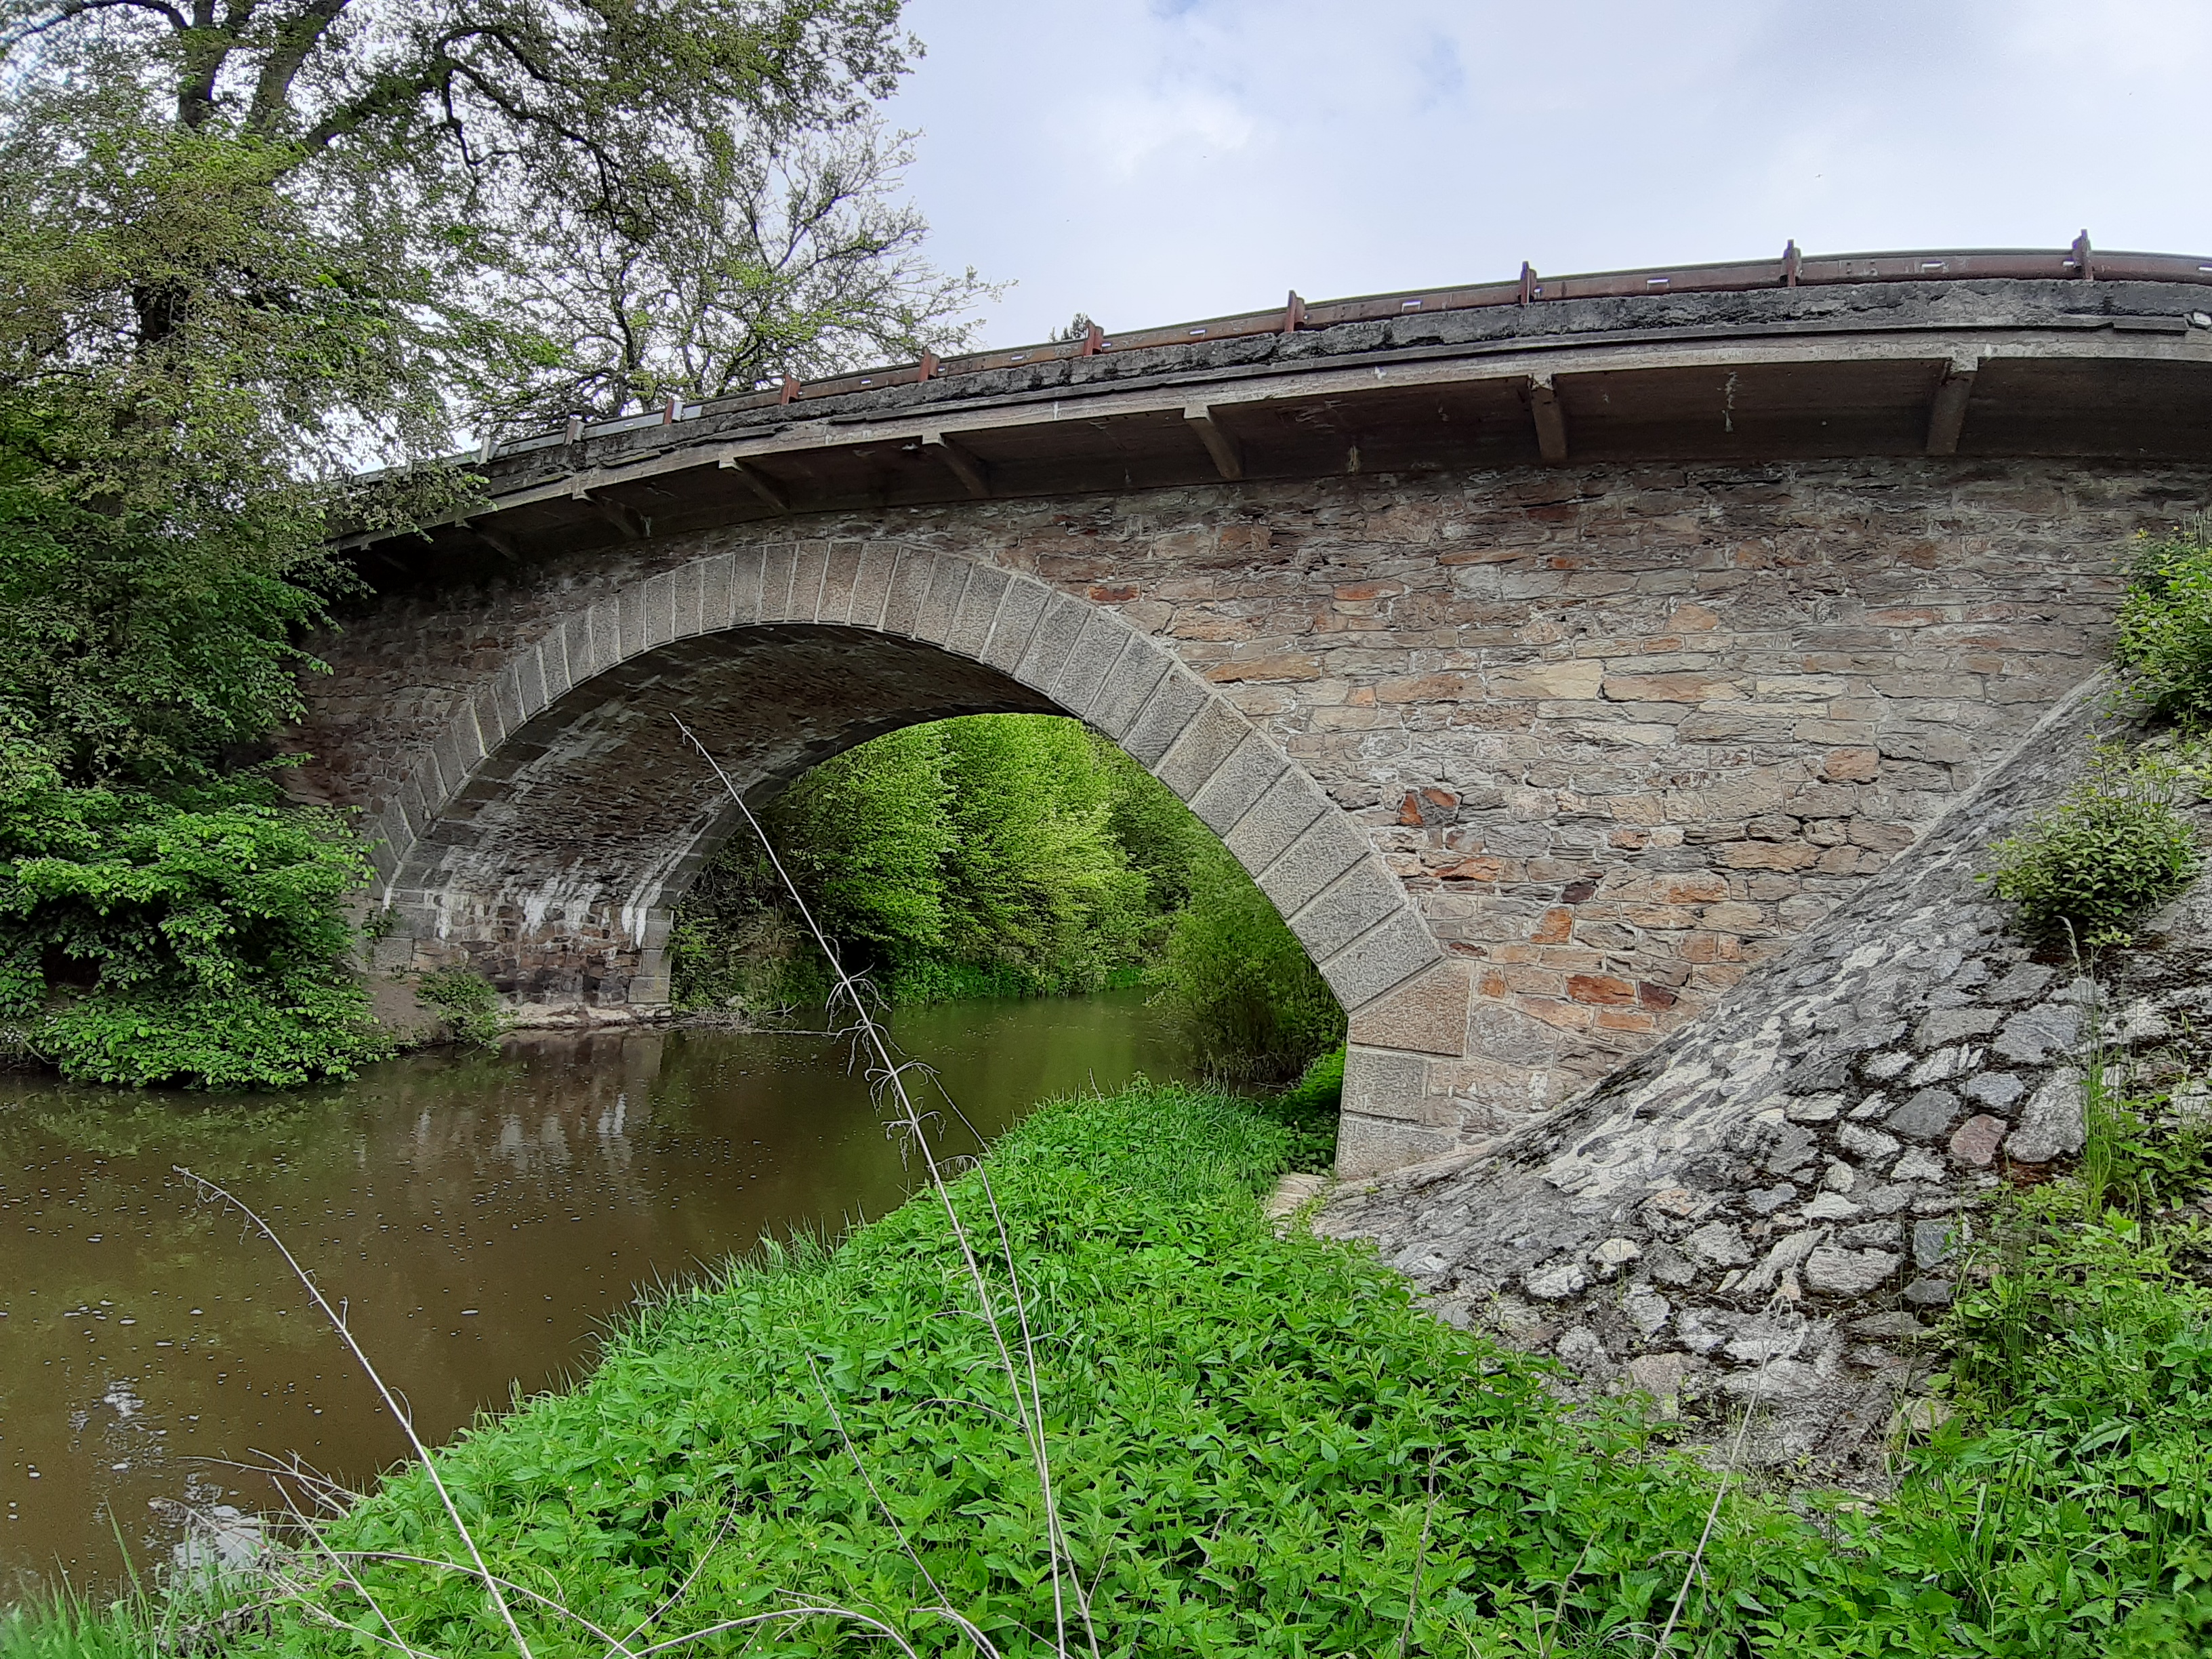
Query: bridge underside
x,y
557,868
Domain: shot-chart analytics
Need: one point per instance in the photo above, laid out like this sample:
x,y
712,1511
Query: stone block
x,y
1175,700
2033,1035
1367,1146
1932,1241
1057,630
1095,651
1380,958
1288,805
1203,749
603,622
1848,1272
688,587
1324,850
2051,1124
1386,1083
809,568
553,660
1019,609
839,581
530,683
1237,783
872,585
977,611
910,586
1131,679
630,621
1926,1115
748,571
507,697
1976,1140
1428,1013
947,585
484,709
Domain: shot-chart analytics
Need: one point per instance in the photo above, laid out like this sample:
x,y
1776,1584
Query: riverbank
x,y
1260,1444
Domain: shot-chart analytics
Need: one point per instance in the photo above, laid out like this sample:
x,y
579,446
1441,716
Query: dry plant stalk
x,y
887,1075
1016,1352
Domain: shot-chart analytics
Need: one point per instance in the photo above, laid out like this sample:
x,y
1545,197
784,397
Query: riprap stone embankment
x,y
1772,1204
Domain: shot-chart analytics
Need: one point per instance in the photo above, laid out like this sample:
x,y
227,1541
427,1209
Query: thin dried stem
x,y
391,1402
889,1073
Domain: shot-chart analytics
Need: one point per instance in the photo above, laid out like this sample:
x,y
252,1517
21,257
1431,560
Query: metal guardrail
x,y
2078,262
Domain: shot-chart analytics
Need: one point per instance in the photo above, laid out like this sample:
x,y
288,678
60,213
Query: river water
x,y
484,1215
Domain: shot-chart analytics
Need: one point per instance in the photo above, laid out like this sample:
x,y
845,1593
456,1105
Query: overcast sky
x,y
1151,160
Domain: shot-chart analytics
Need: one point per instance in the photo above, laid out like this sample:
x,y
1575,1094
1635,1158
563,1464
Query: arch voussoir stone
x,y
547,832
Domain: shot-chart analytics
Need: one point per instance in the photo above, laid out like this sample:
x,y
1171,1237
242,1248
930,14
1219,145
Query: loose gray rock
x,y
1925,1117
1848,1272
2033,1035
1720,1244
1648,1314
1863,1142
1976,1140
1994,1089
1930,1292
1557,1282
1918,1164
2050,1122
1832,1207
1767,1199
1932,1241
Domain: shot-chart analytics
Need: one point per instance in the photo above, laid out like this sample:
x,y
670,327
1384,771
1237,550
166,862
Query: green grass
x,y
1262,1447
1251,1435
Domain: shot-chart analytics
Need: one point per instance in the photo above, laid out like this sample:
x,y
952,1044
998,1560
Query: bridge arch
x,y
547,834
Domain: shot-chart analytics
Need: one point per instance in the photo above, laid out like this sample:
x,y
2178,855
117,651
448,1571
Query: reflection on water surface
x,y
484,1215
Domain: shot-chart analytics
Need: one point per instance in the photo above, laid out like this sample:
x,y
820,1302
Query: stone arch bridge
x,y
1550,651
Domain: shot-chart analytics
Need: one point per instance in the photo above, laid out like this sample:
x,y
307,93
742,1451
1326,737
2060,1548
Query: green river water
x,y
483,1215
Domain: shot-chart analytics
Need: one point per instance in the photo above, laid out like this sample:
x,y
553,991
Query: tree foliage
x,y
187,939
2164,643
248,248
1007,854
579,205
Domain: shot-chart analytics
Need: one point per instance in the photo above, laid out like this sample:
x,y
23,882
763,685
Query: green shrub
x,y
1250,1002
2164,643
467,1004
2114,847
194,939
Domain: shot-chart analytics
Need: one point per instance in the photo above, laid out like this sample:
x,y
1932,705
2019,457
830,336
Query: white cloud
x,y
1147,163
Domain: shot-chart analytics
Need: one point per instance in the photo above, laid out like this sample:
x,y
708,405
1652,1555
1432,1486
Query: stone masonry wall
x,y
1770,1204
1620,731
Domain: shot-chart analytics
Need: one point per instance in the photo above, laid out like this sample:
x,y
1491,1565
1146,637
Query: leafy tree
x,y
585,204
1003,854
247,248
192,940
1252,1002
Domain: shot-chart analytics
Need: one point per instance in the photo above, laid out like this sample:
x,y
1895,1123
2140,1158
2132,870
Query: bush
x,y
194,939
2115,846
467,1005
2164,644
1249,1001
